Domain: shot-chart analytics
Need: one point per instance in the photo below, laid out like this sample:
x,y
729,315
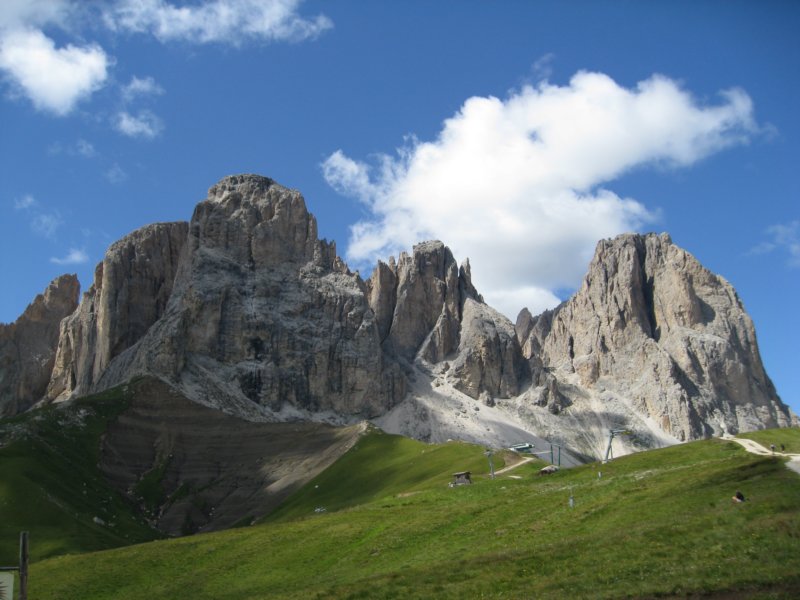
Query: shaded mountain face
x,y
175,458
246,310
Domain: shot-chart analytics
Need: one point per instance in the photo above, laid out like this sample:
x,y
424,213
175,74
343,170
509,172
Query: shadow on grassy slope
x,y
50,484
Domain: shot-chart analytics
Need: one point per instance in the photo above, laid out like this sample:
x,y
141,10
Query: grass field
x,y
656,524
50,484
383,465
789,437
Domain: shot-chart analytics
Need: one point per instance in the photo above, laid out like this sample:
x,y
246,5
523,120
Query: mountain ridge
x,y
245,310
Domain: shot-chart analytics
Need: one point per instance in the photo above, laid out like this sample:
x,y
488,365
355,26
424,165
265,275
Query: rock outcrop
x,y
130,292
653,327
28,346
428,309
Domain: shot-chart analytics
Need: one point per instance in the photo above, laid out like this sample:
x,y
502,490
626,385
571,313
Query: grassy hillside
x,y
383,465
659,523
51,487
789,437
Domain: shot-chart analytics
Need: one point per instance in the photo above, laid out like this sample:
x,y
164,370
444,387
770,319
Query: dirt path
x,y
524,461
756,448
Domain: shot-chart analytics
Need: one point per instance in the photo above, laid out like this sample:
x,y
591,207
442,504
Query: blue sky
x,y
518,133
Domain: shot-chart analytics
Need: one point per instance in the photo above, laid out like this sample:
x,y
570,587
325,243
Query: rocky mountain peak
x,y
263,319
246,186
428,309
130,292
28,346
257,222
652,328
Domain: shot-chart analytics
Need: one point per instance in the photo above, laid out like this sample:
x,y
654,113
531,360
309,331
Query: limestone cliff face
x,y
28,346
427,308
130,292
264,319
653,326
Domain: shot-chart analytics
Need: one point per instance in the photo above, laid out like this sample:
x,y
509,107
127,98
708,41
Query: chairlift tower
x,y
489,455
612,433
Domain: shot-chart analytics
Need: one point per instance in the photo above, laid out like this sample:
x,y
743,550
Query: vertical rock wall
x,y
131,288
28,346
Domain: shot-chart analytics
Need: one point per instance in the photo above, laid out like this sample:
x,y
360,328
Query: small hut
x,y
462,478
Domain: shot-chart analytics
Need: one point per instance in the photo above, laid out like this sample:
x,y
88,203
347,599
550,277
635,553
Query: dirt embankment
x,y
196,469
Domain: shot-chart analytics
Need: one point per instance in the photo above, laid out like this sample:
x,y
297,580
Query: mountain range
x,y
246,311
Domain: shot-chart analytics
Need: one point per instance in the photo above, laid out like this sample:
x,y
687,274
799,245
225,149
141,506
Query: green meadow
x,y
654,524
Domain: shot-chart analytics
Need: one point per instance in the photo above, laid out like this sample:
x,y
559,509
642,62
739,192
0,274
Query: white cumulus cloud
x,y
516,184
223,21
18,13
137,86
143,125
54,79
75,256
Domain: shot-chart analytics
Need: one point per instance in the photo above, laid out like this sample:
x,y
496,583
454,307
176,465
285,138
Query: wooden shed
x,y
462,478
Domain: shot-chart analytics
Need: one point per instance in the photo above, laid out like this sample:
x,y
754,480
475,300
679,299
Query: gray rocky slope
x,y
245,310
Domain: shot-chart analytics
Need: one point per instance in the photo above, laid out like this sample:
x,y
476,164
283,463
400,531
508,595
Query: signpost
x,y
23,565
7,573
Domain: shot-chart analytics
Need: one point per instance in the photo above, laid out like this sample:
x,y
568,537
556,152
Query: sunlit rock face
x,y
131,288
262,317
652,325
429,310
28,346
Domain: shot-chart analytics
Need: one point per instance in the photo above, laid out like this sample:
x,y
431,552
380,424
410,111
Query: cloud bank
x,y
515,184
220,21
55,79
